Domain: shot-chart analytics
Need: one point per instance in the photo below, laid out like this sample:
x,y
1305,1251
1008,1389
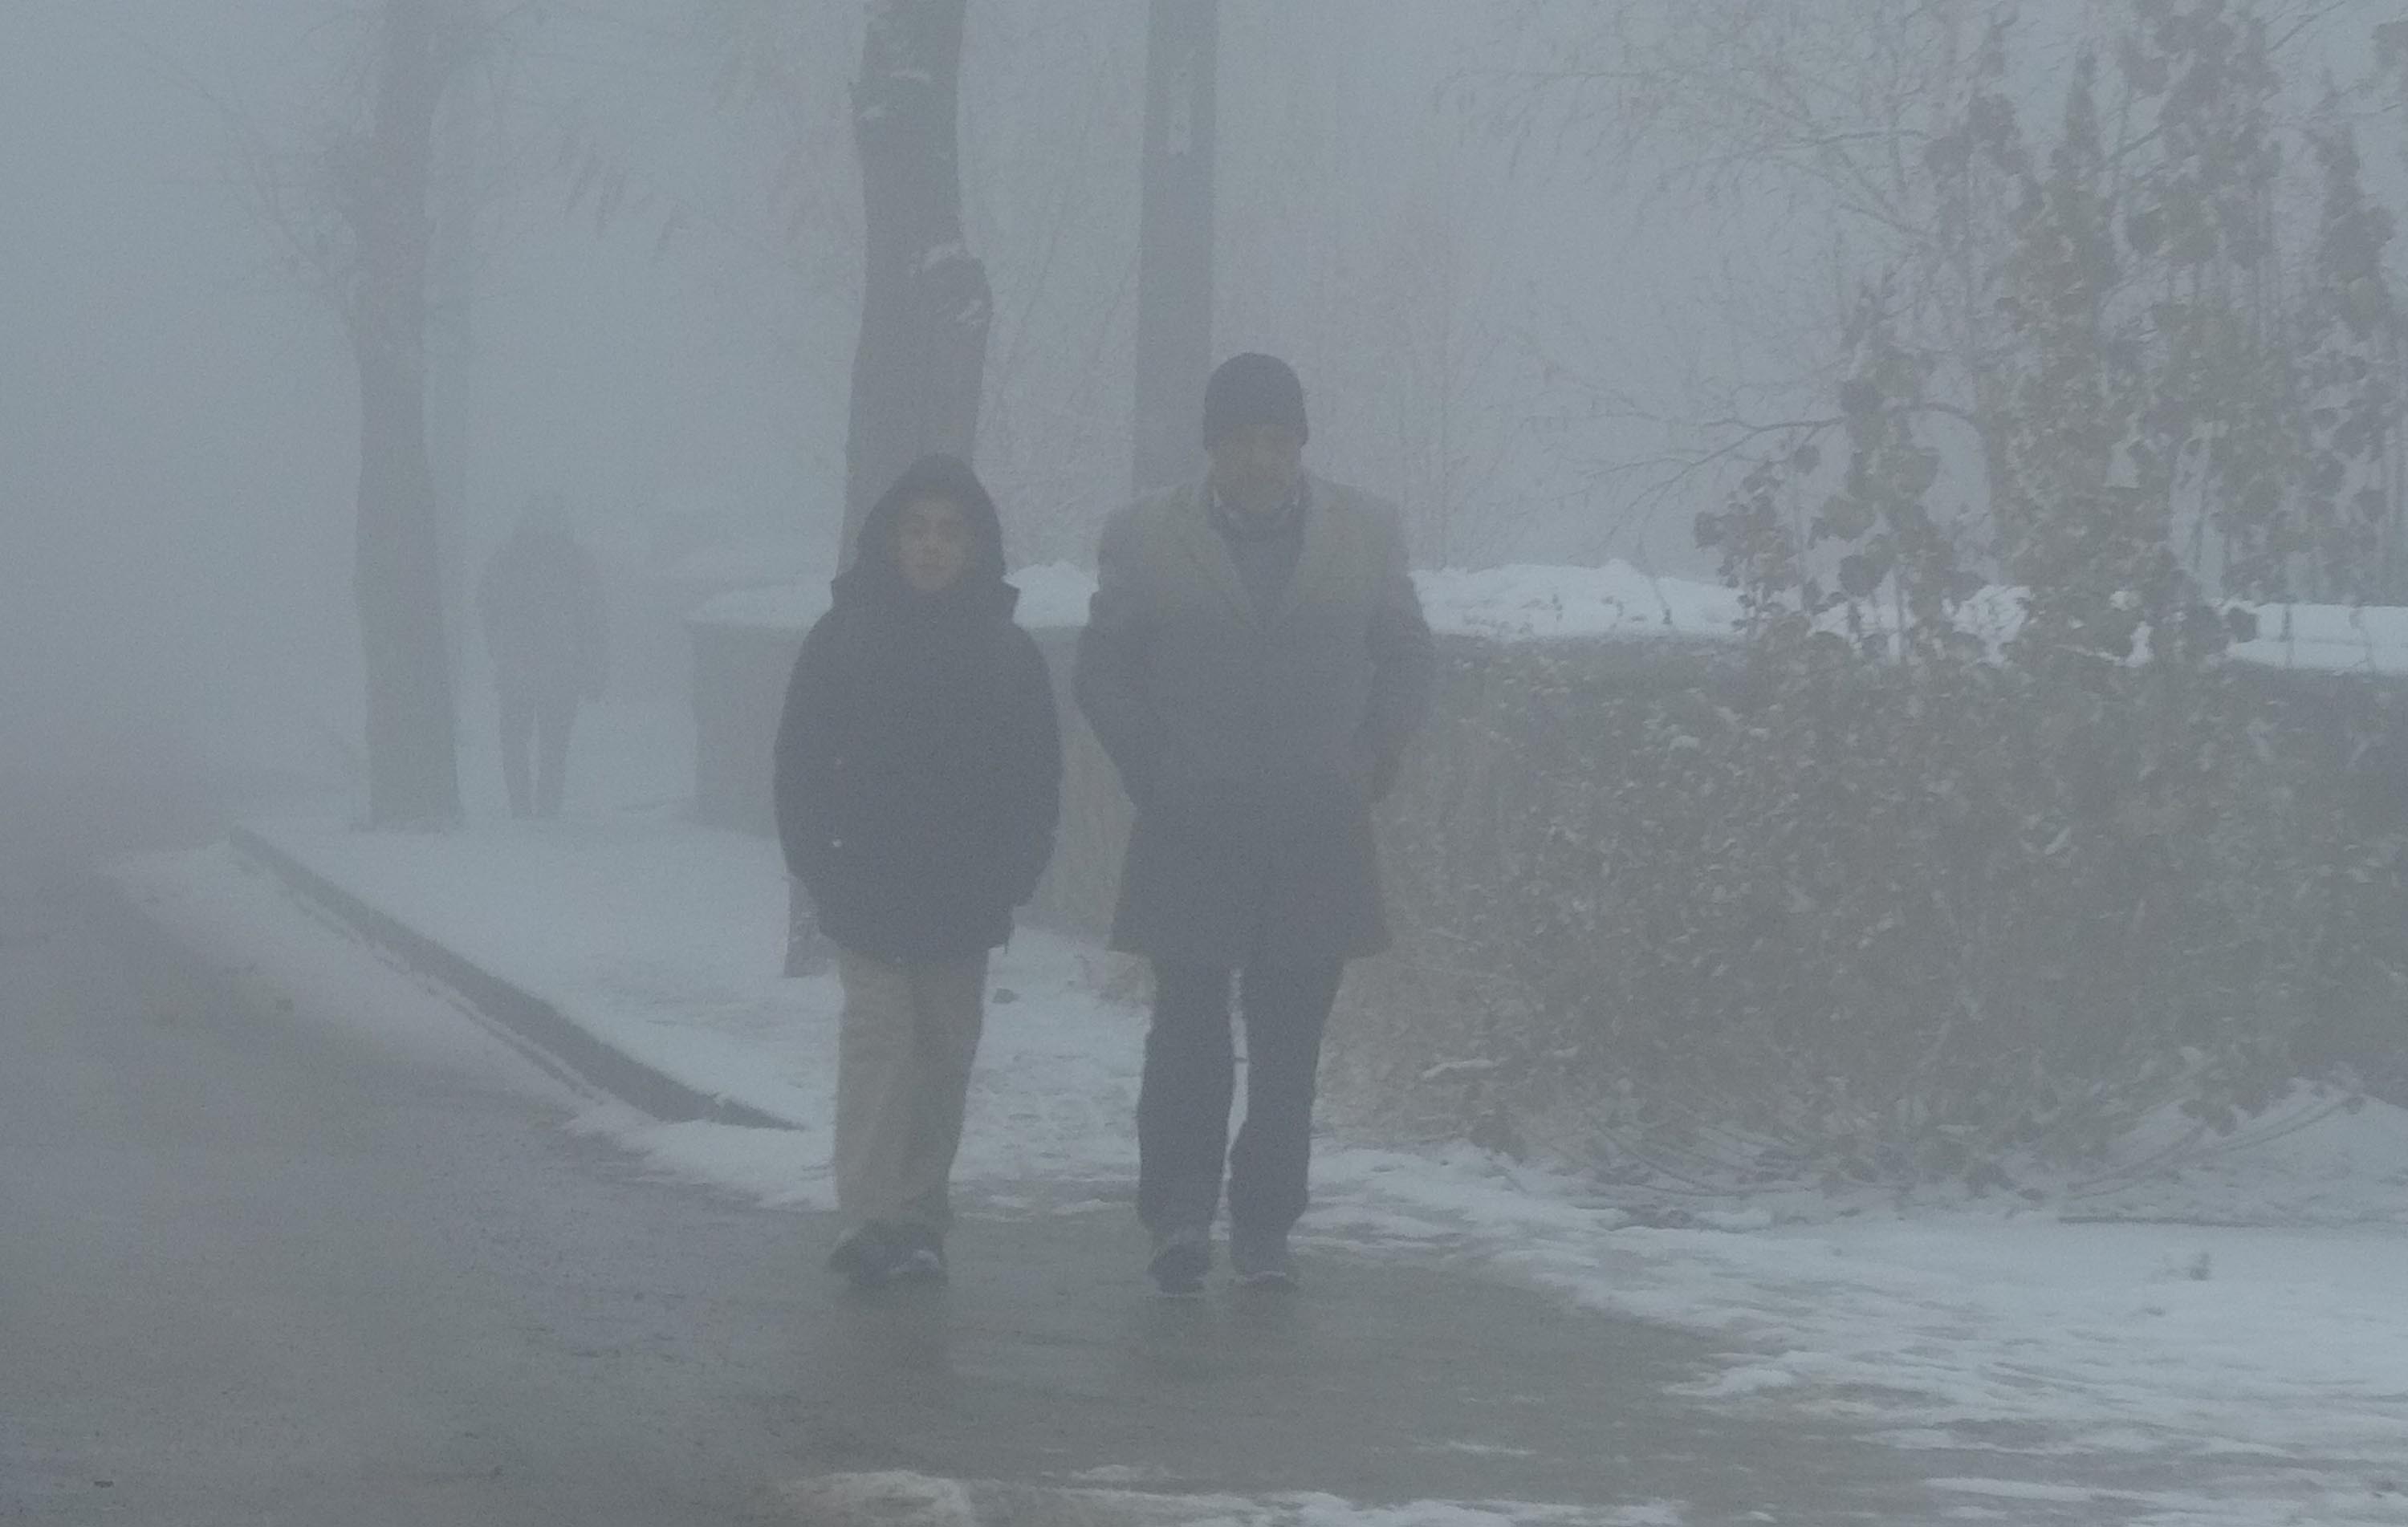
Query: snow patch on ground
x,y
899,1499
241,920
1523,603
2247,1306
1526,603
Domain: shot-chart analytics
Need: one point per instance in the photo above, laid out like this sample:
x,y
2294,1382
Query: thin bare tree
x,y
347,204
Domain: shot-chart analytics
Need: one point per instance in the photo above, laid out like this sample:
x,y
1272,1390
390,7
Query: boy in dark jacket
x,y
918,781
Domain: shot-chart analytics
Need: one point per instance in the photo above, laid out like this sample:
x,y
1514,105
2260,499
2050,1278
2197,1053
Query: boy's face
x,y
932,544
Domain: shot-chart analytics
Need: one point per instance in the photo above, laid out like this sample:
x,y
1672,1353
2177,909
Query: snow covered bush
x,y
1890,897
1809,914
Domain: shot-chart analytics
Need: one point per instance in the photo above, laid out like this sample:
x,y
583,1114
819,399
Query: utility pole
x,y
1174,270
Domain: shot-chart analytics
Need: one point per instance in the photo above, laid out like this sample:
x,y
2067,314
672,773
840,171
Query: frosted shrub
x,y
1816,915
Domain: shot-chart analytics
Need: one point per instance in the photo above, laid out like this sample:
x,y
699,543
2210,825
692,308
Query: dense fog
x,y
1518,305
1795,648
179,430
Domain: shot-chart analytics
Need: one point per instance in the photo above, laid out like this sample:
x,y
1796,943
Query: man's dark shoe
x,y
1181,1257
858,1249
1261,1261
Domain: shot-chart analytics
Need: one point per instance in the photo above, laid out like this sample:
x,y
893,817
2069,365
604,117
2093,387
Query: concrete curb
x,y
534,1022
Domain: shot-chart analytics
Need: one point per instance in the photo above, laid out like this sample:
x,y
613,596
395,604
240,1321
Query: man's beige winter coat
x,y
1253,742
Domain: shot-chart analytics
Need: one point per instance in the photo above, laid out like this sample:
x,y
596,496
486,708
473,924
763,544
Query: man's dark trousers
x,y
1183,1111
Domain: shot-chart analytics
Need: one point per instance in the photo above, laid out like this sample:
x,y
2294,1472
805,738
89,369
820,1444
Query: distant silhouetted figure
x,y
541,602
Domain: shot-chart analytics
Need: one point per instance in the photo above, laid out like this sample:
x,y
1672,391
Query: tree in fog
x,y
1047,186
1407,270
354,218
1872,144
2122,189
413,774
2103,314
1174,290
2353,380
926,307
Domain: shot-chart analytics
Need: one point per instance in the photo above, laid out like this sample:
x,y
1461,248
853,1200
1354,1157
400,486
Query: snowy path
x,y
2267,1362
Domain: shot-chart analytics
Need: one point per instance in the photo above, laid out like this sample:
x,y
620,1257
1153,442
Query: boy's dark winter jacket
x,y
919,762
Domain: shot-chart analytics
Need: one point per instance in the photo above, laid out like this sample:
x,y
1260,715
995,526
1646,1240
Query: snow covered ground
x,y
2244,1315
2247,1311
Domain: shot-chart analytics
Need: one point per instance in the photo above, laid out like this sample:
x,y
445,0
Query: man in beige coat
x,y
1255,662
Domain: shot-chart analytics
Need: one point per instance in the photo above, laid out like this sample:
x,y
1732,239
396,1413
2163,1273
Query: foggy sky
x,y
178,421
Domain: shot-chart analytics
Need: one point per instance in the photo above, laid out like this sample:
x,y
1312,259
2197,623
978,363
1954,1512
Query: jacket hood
x,y
875,569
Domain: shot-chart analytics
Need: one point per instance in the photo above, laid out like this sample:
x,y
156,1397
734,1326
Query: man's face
x,y
1256,466
932,543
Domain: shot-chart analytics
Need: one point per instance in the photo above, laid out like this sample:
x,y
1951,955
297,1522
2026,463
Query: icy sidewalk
x,y
665,941
2235,1350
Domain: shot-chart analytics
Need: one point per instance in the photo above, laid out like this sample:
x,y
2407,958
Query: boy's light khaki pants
x,y
904,1048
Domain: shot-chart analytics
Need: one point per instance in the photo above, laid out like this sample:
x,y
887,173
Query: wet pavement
x,y
1377,1381
259,1268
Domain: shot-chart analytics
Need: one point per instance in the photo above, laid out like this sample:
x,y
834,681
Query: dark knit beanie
x,y
1253,389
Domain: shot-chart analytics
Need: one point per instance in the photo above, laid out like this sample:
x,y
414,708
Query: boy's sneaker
x,y
1261,1261
1181,1259
875,1255
919,1257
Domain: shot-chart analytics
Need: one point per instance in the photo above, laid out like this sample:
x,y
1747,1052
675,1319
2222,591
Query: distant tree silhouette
x,y
925,307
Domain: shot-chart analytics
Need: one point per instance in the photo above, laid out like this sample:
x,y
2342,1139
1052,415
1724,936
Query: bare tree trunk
x,y
925,305
413,771
451,365
1174,279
